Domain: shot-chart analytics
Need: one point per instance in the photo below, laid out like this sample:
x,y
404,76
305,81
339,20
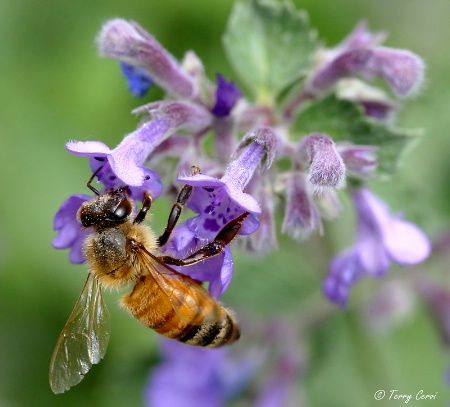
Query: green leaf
x,y
345,121
269,44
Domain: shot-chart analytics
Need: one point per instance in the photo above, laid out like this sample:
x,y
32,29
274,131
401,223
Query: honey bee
x,y
124,251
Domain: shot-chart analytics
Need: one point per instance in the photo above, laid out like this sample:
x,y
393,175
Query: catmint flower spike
x,y
326,167
128,42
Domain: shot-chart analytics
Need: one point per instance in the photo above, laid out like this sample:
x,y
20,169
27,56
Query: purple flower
x,y
360,54
359,160
227,94
127,158
70,235
301,217
196,377
152,183
217,202
326,167
130,43
139,81
381,238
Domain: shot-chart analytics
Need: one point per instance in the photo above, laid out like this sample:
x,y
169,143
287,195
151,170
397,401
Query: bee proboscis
x,y
123,251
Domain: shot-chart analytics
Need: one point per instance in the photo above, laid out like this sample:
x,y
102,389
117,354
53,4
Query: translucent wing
x,y
168,280
83,340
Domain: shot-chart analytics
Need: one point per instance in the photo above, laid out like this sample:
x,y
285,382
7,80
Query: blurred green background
x,y
55,88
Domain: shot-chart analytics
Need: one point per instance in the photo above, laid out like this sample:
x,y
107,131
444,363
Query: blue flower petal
x,y
138,80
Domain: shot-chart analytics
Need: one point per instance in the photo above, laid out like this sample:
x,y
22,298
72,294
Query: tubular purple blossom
x,y
227,94
265,139
359,54
359,160
217,202
326,167
345,270
381,238
182,115
130,43
127,158
300,216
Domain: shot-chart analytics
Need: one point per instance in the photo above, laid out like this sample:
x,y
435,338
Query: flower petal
x,y
344,272
227,94
138,80
127,41
88,148
222,280
406,243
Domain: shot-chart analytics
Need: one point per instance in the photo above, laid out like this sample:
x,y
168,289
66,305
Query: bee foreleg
x,y
147,201
216,247
89,183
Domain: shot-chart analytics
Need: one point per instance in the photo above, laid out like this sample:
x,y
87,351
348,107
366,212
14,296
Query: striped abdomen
x,y
182,310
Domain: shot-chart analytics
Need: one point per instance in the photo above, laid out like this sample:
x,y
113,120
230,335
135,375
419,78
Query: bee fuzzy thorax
x,y
110,255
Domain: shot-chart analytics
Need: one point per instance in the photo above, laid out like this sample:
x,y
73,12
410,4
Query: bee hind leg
x,y
216,247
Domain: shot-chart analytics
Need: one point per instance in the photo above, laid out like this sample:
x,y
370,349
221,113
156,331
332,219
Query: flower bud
x,y
326,167
128,42
301,217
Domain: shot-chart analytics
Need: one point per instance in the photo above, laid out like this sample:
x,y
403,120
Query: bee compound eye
x,y
123,209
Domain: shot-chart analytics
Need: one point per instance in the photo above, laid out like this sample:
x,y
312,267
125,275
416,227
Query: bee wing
x,y
165,275
83,340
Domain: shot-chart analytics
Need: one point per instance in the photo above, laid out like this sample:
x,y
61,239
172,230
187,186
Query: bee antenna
x,y
91,179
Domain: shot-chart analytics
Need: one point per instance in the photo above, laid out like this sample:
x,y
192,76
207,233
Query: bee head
x,y
108,209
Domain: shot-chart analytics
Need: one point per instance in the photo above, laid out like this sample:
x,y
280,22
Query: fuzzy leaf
x,y
269,44
343,120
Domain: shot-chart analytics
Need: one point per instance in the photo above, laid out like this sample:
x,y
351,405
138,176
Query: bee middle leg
x,y
216,247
